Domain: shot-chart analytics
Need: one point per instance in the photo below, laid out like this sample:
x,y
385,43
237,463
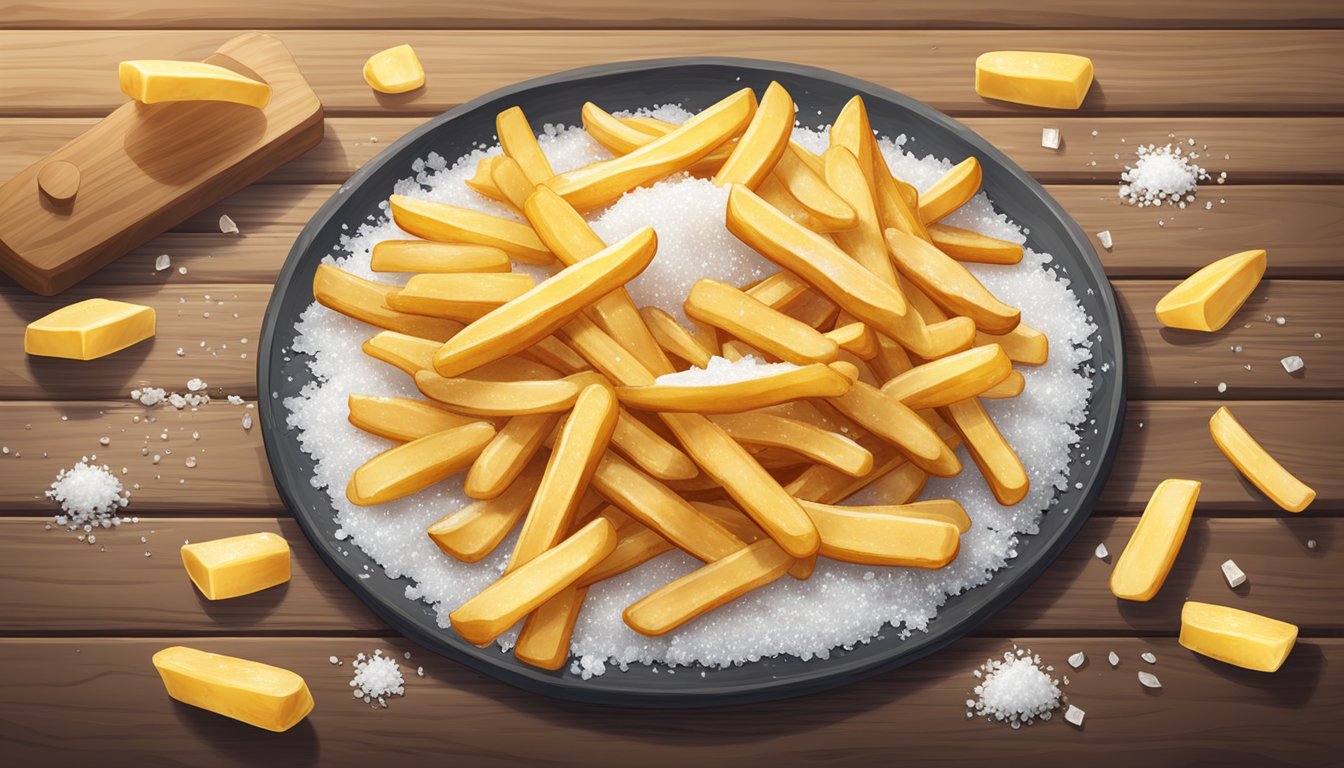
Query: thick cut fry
x,y
409,353
902,485
1143,566
810,191
498,398
402,418
853,132
237,565
624,135
891,359
257,694
474,531
518,324
952,378
1012,386
892,420
514,368
723,306
814,380
941,510
582,442
950,284
505,457
555,353
1237,637
512,182
649,451
707,588
763,141
1024,345
673,338
951,191
863,242
897,202
809,440
883,536
544,639
997,460
774,193
452,224
1253,461
965,245
1054,80
416,465
856,339
599,184
730,517
520,143
484,181
636,545
424,256
516,594
603,353
157,81
1206,300
365,300
461,297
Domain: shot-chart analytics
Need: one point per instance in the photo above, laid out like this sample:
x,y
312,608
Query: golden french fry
x,y
518,593
514,368
402,418
736,521
952,378
891,359
942,510
707,588
556,354
484,181
883,536
636,545
864,241
625,135
673,338
723,306
409,353
951,191
763,141
602,183
892,420
520,144
503,398
474,531
1206,300
545,637
601,351
425,256
1252,460
856,339
773,192
902,485
949,283
813,310
416,465
507,454
809,440
452,224
997,460
365,300
539,312
853,132
897,202
1024,345
1012,386
1147,559
1237,637
814,380
461,297
810,191
512,182
965,245
649,451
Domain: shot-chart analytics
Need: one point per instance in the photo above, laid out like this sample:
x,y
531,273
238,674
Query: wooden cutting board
x,y
146,167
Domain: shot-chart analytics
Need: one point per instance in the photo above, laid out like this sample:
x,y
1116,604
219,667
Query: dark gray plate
x,y
694,83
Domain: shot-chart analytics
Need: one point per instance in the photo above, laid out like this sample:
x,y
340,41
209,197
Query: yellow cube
x,y
395,70
1036,78
238,565
1206,300
152,81
257,694
1237,637
89,329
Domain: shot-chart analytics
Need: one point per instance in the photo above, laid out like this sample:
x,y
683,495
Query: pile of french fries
x,y
547,396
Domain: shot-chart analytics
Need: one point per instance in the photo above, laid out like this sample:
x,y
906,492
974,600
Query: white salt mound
x,y
1161,175
1016,689
90,496
841,605
376,678
721,370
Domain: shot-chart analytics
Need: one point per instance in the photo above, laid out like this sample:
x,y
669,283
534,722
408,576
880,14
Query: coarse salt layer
x,y
721,370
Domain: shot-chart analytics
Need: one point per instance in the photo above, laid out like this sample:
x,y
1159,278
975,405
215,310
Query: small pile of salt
x,y
1015,689
376,678
89,496
1161,175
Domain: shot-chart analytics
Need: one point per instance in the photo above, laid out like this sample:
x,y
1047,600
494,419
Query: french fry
x,y
402,418
512,182
897,202
1010,387
723,306
813,310
364,300
507,454
516,594
520,144
649,451
1024,345
462,297
602,183
892,420
514,368
474,531
707,588
416,465
1252,460
902,485
603,352
624,135
516,325
409,353
891,359
1147,559
951,191
763,141
883,536
425,256
545,637
446,223
853,132
809,440
942,510
810,191
855,338
950,284
484,181
965,245
734,520
673,338
814,380
503,398
997,460
952,378
863,242
773,192
555,353
1206,300
635,545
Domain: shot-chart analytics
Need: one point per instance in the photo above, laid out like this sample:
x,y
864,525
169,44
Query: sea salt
x,y
376,677
1074,716
1160,175
1234,575
1149,680
1104,237
1149,657
247,421
227,226
89,495
1015,689
162,262
1050,138
1113,658
723,371
1077,660
1102,552
1293,363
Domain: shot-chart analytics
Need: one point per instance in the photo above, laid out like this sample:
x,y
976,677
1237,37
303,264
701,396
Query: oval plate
x,y
694,83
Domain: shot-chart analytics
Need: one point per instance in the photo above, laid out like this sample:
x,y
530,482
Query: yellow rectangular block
x,y
257,694
1237,637
238,565
1152,548
1035,78
89,329
151,81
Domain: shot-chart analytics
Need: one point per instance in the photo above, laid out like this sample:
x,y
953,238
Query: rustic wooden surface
x,y
1258,82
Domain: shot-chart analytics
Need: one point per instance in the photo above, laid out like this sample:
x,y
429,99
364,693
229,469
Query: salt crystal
x,y
181,270
1234,575
104,441
720,370
1077,660
420,671
1114,658
1104,237
190,462
195,385
1293,363
1148,657
181,352
235,400
1050,138
247,421
1074,715
1280,320
1222,386
227,226
1102,552
1149,680
333,660
162,262
1311,543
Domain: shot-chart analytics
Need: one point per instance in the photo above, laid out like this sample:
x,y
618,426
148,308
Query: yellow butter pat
x,y
1206,300
89,329
257,694
151,81
395,70
1237,637
1039,79
238,565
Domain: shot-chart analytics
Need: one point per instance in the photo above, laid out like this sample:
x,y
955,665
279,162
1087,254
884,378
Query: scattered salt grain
x,y
1280,320
1148,657
190,462
1102,552
377,677
1149,680
420,671
1050,138
1074,716
1077,660
1104,237
1016,689
1222,386
195,385
104,440
1293,363
235,400
162,262
333,660
1311,543
227,226
181,270
1113,658
1234,575
89,495
247,421
1160,175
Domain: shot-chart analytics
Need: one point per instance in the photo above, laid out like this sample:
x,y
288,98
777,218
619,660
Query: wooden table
x,y
1260,83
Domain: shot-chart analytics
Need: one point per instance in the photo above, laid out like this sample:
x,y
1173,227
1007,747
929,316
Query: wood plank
x,y
689,14
231,475
1163,363
1304,149
112,588
68,73
1206,712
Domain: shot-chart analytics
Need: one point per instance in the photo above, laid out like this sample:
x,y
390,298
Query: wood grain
x,y
231,475
1205,712
689,14
112,588
66,73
